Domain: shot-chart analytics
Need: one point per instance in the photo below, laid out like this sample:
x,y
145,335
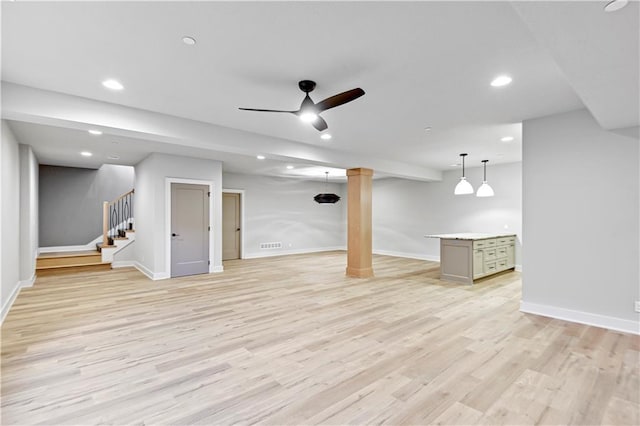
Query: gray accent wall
x,y
581,221
70,202
283,210
404,211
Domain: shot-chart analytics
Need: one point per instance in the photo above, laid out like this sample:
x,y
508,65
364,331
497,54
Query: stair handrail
x,y
119,212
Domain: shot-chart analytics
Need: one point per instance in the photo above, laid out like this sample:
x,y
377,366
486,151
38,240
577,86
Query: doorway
x,y
231,225
189,229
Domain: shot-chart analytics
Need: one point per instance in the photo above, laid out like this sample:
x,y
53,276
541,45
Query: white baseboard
x,y
418,256
271,253
596,320
67,248
216,269
155,276
140,267
519,268
161,276
29,282
9,302
151,275
14,295
123,264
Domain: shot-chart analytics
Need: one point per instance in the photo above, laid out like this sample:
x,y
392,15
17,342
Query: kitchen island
x,y
466,257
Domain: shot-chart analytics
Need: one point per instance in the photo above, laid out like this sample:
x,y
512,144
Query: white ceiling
x,y
420,63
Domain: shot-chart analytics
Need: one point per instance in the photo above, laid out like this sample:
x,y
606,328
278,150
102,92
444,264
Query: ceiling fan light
x,y
485,190
463,187
308,116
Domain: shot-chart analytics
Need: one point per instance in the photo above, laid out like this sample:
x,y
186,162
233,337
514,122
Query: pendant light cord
x,y
463,155
463,166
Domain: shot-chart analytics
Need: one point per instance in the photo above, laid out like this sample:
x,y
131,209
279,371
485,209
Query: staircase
x,y
117,233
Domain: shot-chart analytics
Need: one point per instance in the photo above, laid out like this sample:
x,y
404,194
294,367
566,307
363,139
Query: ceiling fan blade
x,y
266,110
320,124
339,99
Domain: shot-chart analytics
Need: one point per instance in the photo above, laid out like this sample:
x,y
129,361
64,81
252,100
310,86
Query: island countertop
x,y
468,236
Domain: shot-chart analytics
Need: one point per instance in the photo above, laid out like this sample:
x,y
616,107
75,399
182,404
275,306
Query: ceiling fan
x,y
309,111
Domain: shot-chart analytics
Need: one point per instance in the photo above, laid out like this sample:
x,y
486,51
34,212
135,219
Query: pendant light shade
x,y
463,187
485,190
326,198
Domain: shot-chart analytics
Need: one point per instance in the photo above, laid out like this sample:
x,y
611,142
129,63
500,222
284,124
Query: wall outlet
x,y
637,305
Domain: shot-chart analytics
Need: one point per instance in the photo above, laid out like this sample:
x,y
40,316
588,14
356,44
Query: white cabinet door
x,y
511,255
478,263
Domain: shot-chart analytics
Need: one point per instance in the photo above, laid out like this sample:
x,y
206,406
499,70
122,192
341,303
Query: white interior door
x,y
189,229
230,226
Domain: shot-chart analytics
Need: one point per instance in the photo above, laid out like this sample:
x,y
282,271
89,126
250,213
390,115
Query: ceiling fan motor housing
x,y
307,85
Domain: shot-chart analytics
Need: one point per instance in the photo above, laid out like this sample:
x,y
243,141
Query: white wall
x,y
150,207
10,218
581,221
28,213
283,210
404,211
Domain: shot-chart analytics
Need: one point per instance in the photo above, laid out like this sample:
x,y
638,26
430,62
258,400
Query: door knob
x,y
238,229
175,235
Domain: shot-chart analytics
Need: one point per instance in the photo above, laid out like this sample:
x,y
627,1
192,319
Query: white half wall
x,y
150,207
581,220
404,210
283,210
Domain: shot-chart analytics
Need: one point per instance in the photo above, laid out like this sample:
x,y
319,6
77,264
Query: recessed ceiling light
x,y
189,41
95,132
427,129
614,5
112,84
501,80
507,139
113,157
325,136
86,154
289,167
260,157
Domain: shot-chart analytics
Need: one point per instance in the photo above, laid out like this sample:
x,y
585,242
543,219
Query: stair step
x,y
74,269
76,265
68,259
99,247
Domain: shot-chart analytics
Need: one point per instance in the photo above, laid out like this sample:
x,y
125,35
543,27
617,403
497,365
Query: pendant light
x,y
463,187
485,190
326,198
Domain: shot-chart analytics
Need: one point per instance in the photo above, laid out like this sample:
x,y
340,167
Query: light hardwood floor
x,y
291,340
